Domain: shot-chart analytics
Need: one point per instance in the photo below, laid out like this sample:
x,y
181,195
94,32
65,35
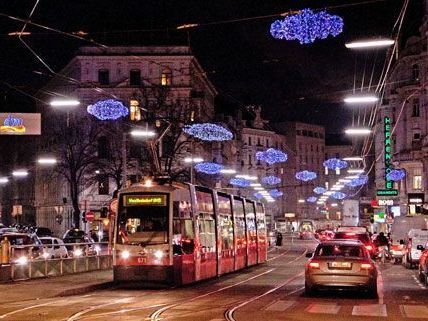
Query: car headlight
x,y
78,252
45,255
124,254
97,248
22,260
158,254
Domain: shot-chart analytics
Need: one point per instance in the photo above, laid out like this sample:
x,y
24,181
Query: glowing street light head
x,y
142,133
64,103
356,131
193,160
375,43
360,99
47,161
20,173
228,171
4,180
355,171
353,158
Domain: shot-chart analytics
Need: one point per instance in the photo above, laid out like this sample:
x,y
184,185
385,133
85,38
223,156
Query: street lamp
x,y
193,160
374,43
4,180
20,173
228,171
353,158
360,99
64,103
47,161
142,133
358,131
355,171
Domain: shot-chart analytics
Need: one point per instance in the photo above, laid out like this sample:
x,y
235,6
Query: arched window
x,y
415,72
415,108
166,77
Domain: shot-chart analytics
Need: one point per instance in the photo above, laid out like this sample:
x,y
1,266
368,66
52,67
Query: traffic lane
x,y
52,309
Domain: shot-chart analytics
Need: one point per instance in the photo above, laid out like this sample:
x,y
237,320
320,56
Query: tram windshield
x,y
143,220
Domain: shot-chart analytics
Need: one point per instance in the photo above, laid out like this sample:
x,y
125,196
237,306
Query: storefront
x,y
415,203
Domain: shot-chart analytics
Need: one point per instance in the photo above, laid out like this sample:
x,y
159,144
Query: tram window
x,y
226,224
251,222
206,220
238,211
183,230
261,221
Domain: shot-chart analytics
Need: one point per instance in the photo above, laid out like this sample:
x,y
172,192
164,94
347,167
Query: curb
x,y
86,289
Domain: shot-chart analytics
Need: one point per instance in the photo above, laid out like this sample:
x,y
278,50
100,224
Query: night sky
x,y
291,81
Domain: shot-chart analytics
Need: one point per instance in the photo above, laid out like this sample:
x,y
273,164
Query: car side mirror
x,y
309,254
420,247
401,242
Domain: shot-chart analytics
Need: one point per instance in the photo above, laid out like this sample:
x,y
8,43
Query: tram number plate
x,y
141,260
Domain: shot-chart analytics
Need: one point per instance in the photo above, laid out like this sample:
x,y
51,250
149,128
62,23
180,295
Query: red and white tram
x,y
182,233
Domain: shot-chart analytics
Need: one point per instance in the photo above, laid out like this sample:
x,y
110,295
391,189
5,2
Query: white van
x,y
416,241
400,232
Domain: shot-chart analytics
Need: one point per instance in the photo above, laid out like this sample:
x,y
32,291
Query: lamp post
x,y
191,161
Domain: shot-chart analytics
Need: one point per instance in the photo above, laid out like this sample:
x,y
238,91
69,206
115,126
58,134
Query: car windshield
x,y
19,239
363,237
74,240
75,234
340,250
46,241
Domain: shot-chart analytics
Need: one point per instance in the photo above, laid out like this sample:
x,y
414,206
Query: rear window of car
x,y
19,240
46,241
75,234
340,250
363,237
74,240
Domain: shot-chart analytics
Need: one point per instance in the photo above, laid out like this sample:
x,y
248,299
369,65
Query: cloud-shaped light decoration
x,y
275,193
396,175
306,176
258,195
335,163
241,182
362,179
338,195
307,26
319,190
208,132
311,199
272,156
208,168
109,109
271,180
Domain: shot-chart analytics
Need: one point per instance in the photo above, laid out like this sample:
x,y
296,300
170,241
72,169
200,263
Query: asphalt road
x,y
272,291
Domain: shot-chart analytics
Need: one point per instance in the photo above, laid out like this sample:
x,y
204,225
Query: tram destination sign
x,y
387,192
144,200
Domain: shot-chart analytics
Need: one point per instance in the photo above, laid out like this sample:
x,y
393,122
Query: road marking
x,y
380,288
418,282
370,310
324,308
24,309
78,315
414,311
279,305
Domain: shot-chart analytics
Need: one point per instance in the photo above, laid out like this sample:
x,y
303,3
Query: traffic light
x,y
83,214
104,212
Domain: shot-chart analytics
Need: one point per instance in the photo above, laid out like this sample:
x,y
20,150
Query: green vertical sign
x,y
387,150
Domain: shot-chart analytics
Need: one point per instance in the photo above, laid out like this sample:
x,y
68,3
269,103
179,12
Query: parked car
x,y
415,243
53,248
363,237
80,243
423,264
341,264
42,231
25,247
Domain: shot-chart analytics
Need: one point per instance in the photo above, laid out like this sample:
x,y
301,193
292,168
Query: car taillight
x,y
366,266
350,234
369,247
314,265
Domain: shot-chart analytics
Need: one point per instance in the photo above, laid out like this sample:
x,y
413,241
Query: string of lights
x,y
396,175
335,163
319,190
306,176
108,109
208,168
275,193
311,199
208,132
338,195
241,182
272,156
271,180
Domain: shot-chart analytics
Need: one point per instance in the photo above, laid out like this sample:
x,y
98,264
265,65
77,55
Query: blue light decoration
x,y
208,168
272,156
271,180
109,109
311,199
258,195
240,182
306,176
396,175
362,179
208,132
275,193
338,195
307,26
335,163
319,190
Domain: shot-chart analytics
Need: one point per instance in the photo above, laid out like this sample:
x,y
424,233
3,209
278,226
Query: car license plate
x,y
340,265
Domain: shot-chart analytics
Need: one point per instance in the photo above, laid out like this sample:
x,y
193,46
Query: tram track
x,y
156,315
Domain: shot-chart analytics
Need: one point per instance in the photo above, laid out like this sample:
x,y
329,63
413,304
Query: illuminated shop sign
x,y
144,200
20,124
416,198
387,151
387,192
385,202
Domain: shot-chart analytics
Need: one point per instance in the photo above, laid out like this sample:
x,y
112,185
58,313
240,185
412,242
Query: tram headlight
x,y
124,255
158,254
22,260
77,252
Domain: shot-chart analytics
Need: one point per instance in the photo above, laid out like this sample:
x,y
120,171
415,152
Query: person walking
x,y
382,243
279,239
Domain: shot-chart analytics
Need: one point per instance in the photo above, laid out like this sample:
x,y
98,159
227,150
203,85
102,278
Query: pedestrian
x,y
382,243
279,239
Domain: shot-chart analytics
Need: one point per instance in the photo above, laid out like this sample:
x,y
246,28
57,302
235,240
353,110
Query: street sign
x,y
387,192
113,206
89,216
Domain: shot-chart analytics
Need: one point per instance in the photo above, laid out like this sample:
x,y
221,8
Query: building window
x,y
249,141
166,77
250,160
417,182
415,72
337,171
258,141
135,77
103,76
326,185
103,148
415,109
103,185
267,143
417,136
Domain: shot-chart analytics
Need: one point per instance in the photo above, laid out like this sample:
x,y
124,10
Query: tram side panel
x,y
251,232
240,234
261,233
206,256
225,234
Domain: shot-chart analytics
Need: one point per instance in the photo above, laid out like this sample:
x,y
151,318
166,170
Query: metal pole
x,y
124,160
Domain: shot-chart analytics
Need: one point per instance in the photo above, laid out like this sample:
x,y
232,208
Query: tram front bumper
x,y
144,273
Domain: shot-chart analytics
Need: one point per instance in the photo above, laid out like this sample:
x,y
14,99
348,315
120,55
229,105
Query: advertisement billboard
x,y
351,213
20,124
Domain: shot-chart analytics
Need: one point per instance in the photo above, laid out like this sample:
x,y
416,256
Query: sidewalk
x,y
43,288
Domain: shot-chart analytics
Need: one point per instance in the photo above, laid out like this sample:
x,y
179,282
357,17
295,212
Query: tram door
x,y
206,251
240,237
261,233
225,234
250,217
